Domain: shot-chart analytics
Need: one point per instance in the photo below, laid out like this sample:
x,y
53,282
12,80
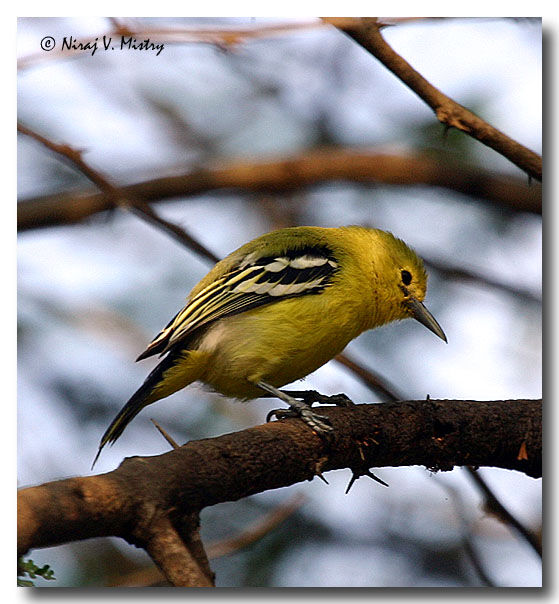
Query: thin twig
x,y
467,541
493,505
144,211
448,111
221,37
461,274
165,435
373,380
256,531
115,196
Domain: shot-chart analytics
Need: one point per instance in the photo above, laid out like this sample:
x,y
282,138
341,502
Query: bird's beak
x,y
421,314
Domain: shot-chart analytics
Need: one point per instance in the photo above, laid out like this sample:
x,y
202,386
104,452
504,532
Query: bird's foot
x,y
298,408
318,423
312,396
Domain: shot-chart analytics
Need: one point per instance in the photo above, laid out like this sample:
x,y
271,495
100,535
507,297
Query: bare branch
x,y
379,384
460,274
222,37
117,197
290,173
436,434
144,211
448,111
371,379
169,551
495,507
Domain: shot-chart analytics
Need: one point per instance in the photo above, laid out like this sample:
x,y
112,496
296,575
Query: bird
x,y
277,309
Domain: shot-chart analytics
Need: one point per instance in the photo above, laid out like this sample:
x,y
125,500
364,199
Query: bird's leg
x,y
312,396
297,408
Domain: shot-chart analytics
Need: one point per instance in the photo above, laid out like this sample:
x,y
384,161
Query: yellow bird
x,y
277,309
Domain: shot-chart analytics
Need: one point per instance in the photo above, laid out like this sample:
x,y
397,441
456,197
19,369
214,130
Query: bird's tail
x,y
176,371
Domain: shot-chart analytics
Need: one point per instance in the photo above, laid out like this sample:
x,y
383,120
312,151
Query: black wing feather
x,y
293,274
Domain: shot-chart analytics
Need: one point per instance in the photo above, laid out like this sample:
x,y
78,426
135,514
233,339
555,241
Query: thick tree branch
x,y
173,554
380,385
435,434
448,111
279,175
149,576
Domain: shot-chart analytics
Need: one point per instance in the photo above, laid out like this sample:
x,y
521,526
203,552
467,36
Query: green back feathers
x,y
295,262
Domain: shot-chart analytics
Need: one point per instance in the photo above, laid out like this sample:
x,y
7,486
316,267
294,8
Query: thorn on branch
x,y
522,452
318,469
357,473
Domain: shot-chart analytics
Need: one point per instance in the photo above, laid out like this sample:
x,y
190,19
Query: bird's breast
x,y
279,344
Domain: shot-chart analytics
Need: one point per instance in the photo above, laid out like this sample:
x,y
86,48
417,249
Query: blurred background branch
x,y
494,506
116,197
286,174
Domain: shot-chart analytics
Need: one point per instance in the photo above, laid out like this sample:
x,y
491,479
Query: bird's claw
x,y
281,414
319,423
312,396
341,400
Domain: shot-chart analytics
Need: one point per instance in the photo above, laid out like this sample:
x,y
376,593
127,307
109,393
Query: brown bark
x,y
448,111
142,490
279,175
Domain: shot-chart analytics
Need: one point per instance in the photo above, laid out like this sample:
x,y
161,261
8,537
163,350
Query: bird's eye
x,y
406,277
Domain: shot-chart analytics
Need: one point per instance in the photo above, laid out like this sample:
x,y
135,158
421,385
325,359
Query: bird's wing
x,y
253,282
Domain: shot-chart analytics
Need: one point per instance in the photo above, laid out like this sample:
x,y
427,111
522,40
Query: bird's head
x,y
398,281
412,286
408,284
